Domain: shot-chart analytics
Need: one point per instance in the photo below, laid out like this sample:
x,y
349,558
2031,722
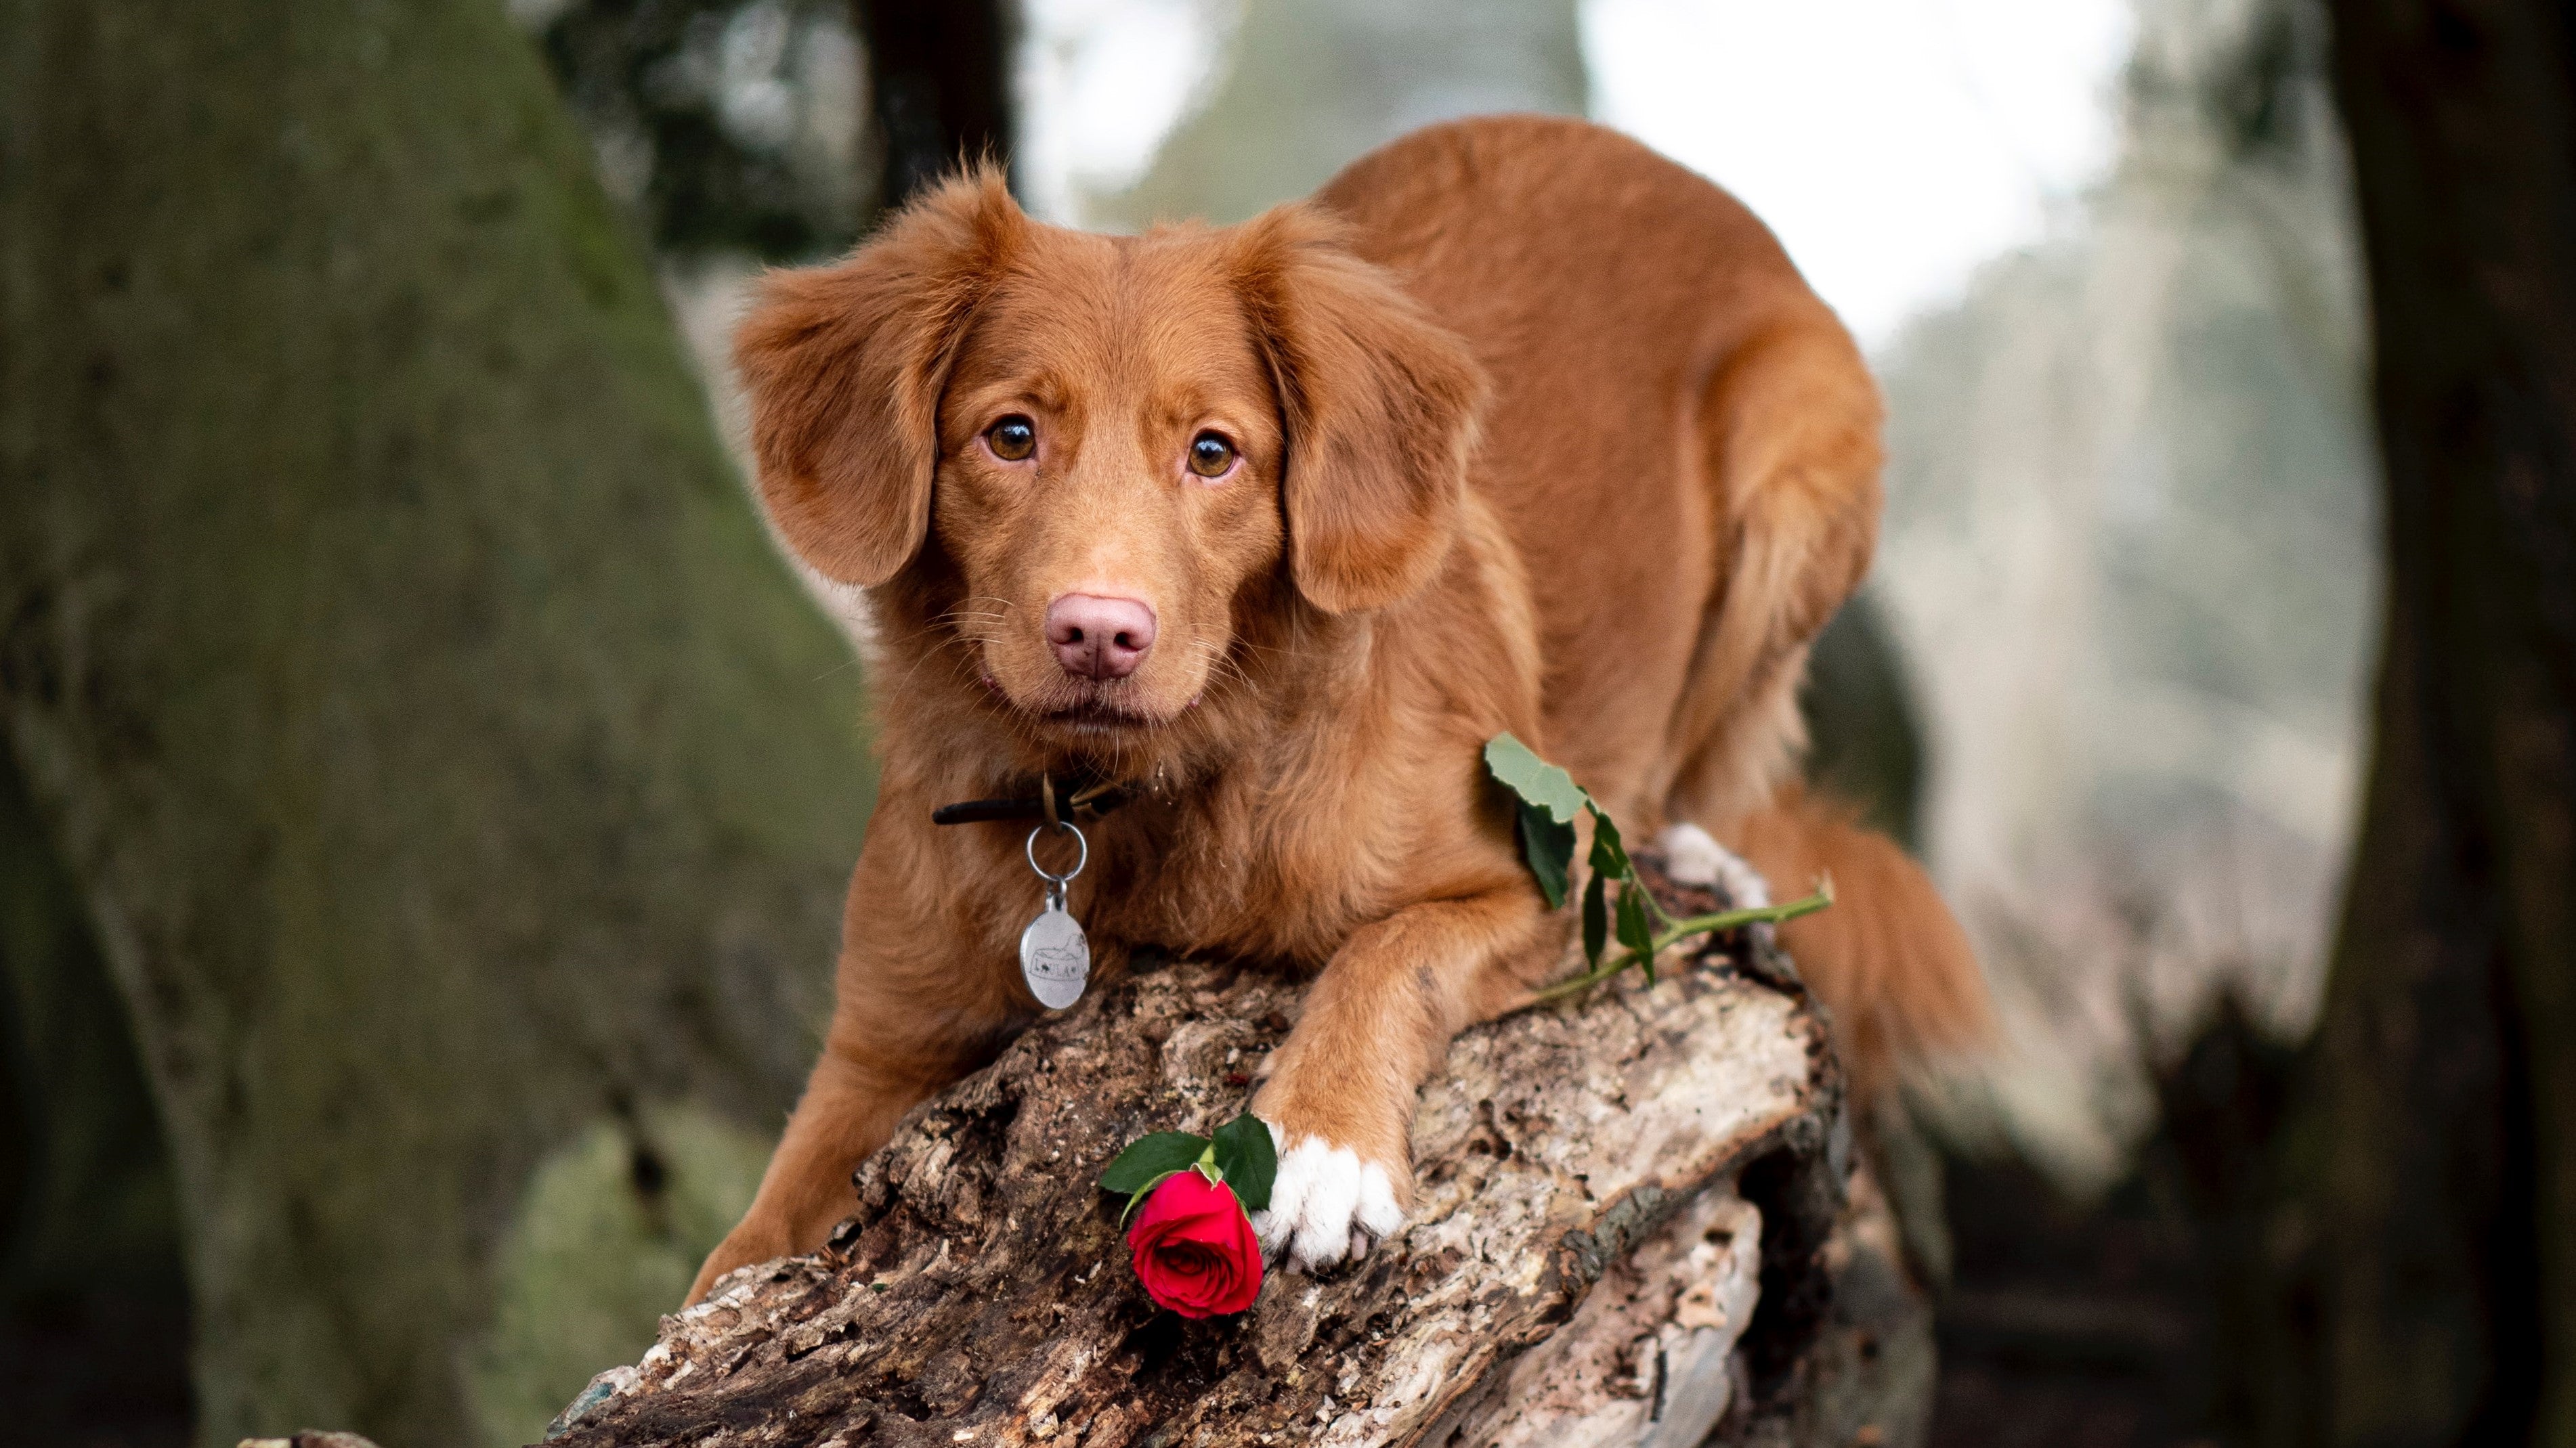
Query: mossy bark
x,y
445,761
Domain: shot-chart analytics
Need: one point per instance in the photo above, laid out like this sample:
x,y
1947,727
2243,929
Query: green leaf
x,y
1137,1197
1609,855
1535,780
1635,931
1150,1159
1596,918
1249,1159
1549,848
1550,801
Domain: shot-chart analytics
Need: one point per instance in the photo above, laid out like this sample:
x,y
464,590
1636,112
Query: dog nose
x,y
1097,636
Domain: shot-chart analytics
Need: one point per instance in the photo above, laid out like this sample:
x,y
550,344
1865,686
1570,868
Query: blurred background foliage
x,y
2107,675
2131,547
721,126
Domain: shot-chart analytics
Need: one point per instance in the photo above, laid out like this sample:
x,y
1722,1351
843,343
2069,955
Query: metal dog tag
x,y
1055,956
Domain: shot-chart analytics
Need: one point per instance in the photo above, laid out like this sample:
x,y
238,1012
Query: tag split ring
x,y
1055,956
1056,882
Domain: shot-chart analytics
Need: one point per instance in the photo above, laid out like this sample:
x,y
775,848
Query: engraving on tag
x,y
1055,958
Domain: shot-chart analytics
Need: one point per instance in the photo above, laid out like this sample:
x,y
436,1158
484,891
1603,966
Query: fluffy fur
x,y
1533,431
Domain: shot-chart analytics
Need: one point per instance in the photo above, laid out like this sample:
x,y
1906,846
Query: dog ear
x,y
844,365
1379,404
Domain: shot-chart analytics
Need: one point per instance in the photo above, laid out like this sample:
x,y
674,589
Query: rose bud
x,y
1194,1248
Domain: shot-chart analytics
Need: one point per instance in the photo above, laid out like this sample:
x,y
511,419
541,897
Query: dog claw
x,y
1323,1192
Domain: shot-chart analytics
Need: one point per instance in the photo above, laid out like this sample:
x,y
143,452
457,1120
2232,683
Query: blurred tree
x,y
727,125
2433,1145
457,785
939,74
2131,536
778,128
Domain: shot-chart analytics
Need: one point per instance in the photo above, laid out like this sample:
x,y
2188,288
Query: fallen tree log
x,y
1637,1221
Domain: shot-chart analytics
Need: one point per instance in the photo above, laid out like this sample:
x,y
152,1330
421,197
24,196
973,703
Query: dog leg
x,y
921,1000
848,1110
1340,1094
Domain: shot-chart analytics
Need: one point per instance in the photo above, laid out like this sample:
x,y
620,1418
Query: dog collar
x,y
1056,802
1055,955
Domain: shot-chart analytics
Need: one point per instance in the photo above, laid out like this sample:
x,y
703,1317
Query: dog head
x,y
1103,456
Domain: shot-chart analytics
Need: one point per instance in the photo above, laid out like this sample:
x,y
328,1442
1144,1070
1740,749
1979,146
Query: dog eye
x,y
1210,455
1012,439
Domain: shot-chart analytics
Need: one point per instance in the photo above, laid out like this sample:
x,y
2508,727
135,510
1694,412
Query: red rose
x,y
1194,1248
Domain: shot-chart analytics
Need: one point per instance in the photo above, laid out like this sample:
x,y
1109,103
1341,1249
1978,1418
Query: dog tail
x,y
1887,959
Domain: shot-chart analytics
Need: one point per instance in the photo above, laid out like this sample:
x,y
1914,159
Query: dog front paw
x,y
749,1242
1322,1194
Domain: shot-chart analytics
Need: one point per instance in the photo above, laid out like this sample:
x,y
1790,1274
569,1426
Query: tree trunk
x,y
2435,1142
460,789
939,79
1631,1227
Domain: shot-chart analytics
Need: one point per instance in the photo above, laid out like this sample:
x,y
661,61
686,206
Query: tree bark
x,y
1630,1227
450,770
2434,1147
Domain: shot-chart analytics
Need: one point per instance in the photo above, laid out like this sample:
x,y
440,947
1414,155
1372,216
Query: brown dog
x,y
1516,427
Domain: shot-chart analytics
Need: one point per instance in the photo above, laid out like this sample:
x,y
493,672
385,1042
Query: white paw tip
x,y
1322,1192
1692,857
